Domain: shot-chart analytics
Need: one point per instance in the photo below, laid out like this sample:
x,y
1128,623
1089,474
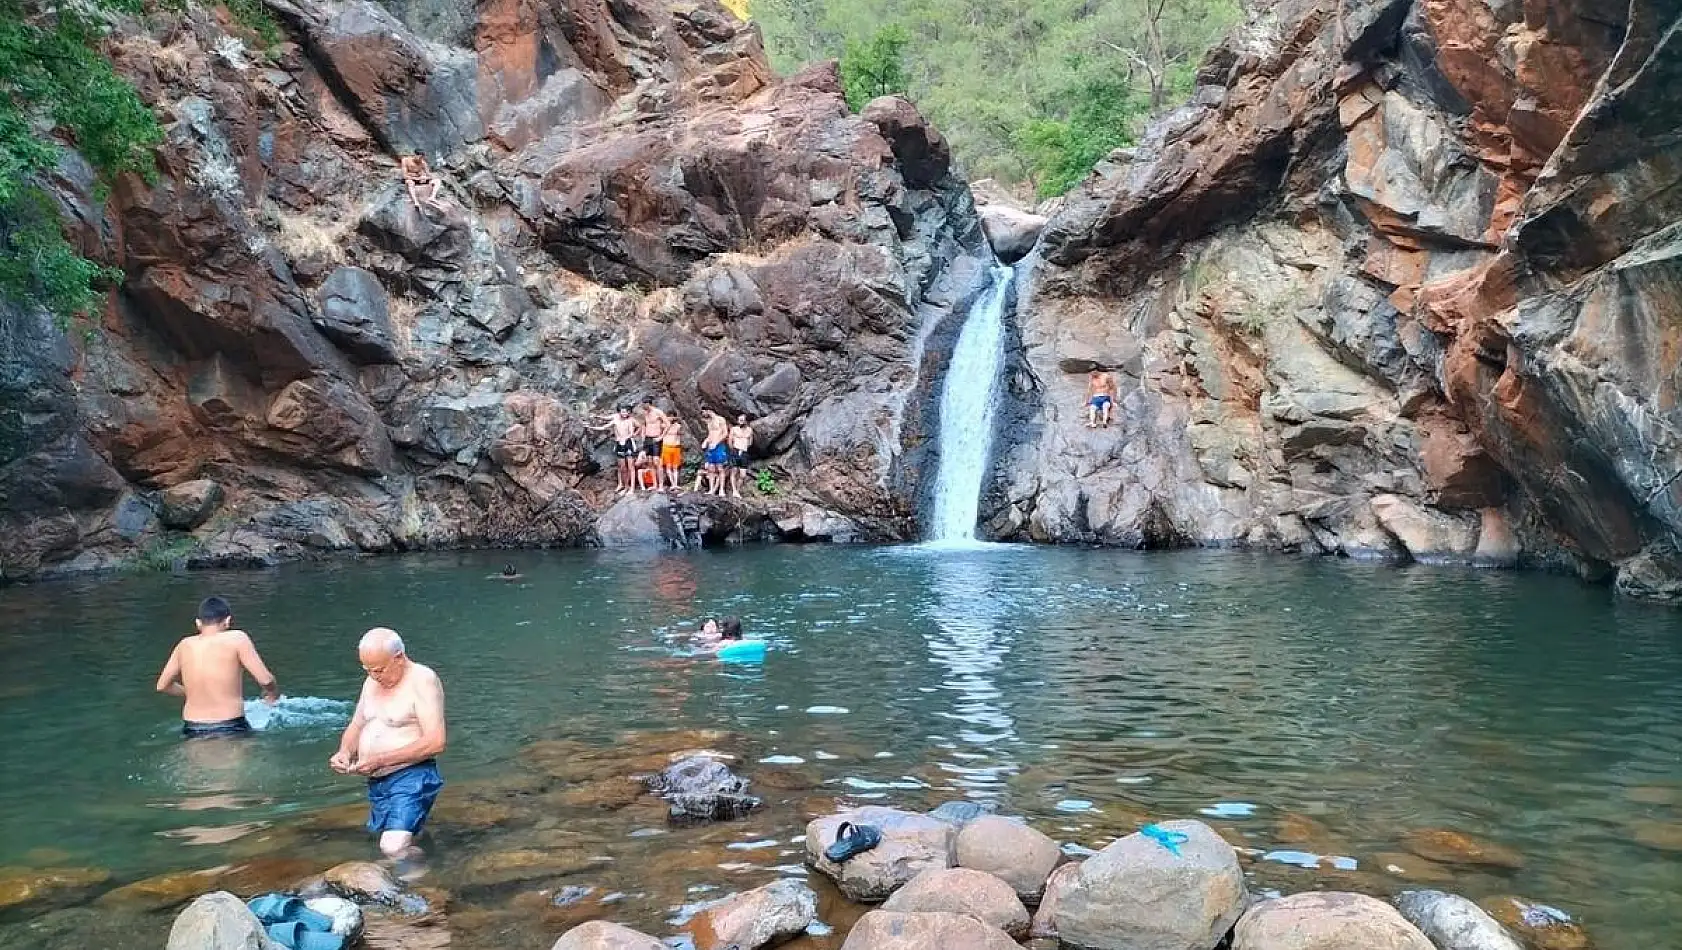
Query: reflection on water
x,y
1318,713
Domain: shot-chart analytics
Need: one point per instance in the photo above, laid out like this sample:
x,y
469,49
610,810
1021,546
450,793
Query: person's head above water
x,y
508,571
382,656
214,614
709,627
730,628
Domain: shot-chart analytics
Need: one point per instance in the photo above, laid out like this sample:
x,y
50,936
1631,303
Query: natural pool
x,y
1313,706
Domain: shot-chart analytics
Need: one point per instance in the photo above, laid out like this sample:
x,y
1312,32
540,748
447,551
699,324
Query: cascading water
x,y
967,403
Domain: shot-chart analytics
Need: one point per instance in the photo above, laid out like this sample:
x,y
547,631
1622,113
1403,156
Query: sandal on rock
x,y
852,840
1168,839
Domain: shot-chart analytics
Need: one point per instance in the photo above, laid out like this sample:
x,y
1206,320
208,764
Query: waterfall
x,y
967,402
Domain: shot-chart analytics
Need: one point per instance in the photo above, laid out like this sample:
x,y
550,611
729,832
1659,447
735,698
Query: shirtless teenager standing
x,y
205,668
671,453
626,430
741,439
714,454
393,738
1100,396
653,427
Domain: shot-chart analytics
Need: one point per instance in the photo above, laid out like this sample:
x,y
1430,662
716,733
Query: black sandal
x,y
852,840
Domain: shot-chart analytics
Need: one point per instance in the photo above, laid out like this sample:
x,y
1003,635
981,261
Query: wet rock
x,y
363,882
963,891
525,864
1011,232
33,889
1537,925
911,844
1136,894
959,814
189,504
356,314
602,935
1044,925
1658,835
218,921
762,917
1011,851
1446,846
1327,920
607,794
1412,867
703,789
889,930
246,879
1452,922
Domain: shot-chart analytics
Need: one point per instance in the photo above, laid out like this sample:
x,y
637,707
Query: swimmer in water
x,y
205,669
729,631
394,737
709,632
508,574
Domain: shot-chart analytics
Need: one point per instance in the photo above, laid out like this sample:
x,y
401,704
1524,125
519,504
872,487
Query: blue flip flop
x,y
852,840
1168,839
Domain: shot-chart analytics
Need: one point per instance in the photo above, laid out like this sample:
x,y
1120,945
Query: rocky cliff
x,y
1401,281
634,208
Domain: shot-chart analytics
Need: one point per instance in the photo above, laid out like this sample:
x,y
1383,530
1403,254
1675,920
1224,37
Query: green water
x,y
1085,689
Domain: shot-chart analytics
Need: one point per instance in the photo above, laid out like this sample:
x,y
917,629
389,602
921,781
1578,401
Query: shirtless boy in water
x,y
626,431
393,738
205,669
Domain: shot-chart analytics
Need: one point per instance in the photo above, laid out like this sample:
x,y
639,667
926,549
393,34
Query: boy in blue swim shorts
x,y
394,738
1100,395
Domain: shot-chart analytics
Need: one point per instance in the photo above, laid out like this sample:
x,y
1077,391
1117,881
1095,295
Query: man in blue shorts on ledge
x,y
394,737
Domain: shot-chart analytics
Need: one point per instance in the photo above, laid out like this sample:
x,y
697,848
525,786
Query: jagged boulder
x,y
701,788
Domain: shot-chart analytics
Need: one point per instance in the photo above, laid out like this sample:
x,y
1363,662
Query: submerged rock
x,y
762,917
1538,925
889,930
1452,922
911,844
1011,851
363,881
1138,894
1328,920
701,788
1446,846
218,921
963,891
28,889
602,935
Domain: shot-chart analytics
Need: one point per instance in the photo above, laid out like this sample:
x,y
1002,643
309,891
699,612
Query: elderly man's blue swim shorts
x,y
402,800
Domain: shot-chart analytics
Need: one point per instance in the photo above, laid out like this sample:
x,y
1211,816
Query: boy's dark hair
x,y
214,610
730,628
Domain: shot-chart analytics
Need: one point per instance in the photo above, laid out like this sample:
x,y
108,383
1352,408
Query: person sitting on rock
x,y
1100,396
626,430
671,453
741,439
424,187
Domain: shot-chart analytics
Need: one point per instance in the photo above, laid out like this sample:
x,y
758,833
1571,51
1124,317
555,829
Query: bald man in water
x,y
394,737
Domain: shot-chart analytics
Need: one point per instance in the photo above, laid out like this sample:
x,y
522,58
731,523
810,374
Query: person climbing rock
x,y
424,187
205,670
1100,396
626,431
394,738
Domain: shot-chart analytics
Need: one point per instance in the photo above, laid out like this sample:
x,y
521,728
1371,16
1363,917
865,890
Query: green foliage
x,y
252,15
765,481
54,79
875,67
163,553
1029,91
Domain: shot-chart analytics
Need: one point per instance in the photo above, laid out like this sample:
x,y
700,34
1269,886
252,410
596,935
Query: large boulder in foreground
x,y
1010,851
762,917
1453,923
890,930
218,921
963,891
1328,920
1044,925
1138,894
602,935
911,844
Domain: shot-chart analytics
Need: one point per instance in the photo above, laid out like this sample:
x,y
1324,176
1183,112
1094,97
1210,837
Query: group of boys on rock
x,y
649,439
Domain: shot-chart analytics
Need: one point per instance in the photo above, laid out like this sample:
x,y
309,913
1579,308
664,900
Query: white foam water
x,y
968,401
293,712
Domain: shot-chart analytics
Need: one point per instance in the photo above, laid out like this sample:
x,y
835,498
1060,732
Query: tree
x,y
875,68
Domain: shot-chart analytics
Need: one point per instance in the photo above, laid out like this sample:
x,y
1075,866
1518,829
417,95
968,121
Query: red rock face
x,y
1469,209
629,208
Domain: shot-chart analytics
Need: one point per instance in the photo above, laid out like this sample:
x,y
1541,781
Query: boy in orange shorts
x,y
671,453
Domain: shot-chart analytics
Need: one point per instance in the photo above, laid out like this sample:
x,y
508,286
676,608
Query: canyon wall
x,y
1403,280
299,359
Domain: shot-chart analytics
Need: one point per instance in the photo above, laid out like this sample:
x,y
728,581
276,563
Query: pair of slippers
x,y
851,841
294,926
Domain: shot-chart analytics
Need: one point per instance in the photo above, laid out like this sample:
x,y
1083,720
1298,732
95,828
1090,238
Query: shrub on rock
x,y
891,930
1140,894
1011,851
1326,920
911,844
963,891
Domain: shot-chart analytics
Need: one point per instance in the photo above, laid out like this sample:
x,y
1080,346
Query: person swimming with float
x,y
205,670
729,631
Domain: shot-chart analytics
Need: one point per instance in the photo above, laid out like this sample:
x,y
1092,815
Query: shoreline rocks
x,y
1140,893
1452,922
1326,920
890,930
963,891
762,917
1011,851
911,844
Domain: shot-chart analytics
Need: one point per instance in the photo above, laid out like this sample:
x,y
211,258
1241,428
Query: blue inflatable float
x,y
742,651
